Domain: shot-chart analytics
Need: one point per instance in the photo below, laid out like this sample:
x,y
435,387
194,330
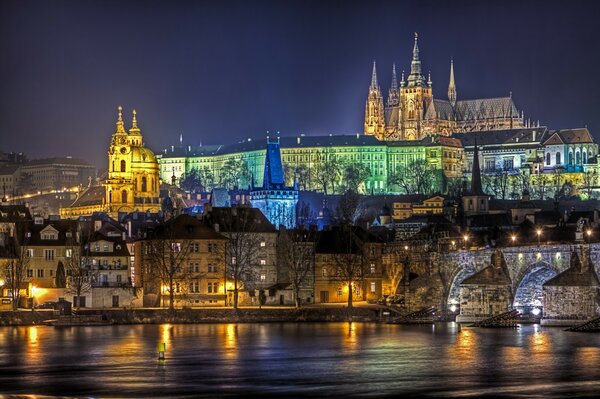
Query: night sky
x,y
221,71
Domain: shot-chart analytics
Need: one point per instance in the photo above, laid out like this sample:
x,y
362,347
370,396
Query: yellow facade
x,y
133,178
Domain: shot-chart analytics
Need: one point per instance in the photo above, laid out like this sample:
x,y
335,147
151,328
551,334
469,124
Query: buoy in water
x,y
162,348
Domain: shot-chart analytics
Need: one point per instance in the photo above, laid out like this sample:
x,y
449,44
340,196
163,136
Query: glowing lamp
x,y
453,308
536,311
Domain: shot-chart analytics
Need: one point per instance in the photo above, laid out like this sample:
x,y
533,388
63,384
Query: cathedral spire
x,y
393,93
416,77
134,120
374,77
135,130
402,82
451,85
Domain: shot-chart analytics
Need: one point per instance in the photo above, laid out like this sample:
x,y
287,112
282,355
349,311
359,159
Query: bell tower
x,y
415,97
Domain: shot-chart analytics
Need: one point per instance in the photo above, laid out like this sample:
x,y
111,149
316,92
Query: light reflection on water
x,y
312,359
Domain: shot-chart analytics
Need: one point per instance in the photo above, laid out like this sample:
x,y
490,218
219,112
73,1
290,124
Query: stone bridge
x,y
529,267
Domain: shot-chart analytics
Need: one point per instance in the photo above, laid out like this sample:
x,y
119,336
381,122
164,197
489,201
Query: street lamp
x,y
539,233
513,238
588,232
466,238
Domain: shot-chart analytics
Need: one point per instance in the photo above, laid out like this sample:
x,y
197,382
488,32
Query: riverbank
x,y
193,316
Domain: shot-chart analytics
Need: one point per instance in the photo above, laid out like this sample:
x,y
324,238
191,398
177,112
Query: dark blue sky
x,y
220,71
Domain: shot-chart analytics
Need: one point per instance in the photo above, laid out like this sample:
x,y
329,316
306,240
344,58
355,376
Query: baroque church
x,y
412,112
132,183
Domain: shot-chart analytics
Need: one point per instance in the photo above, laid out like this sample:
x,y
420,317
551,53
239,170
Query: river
x,y
298,359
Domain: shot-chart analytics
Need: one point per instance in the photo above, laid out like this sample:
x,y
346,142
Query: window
x,y
263,262
68,253
29,272
339,291
490,164
509,164
124,196
195,247
212,247
263,277
40,273
324,272
558,158
48,254
176,247
548,159
372,268
144,188
212,268
233,260
123,166
119,278
30,253
194,267
263,244
373,287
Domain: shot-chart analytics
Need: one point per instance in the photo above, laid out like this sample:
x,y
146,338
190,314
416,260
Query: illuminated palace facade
x,y
132,183
311,153
412,113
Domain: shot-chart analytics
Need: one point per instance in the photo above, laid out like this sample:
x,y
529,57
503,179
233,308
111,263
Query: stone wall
x,y
570,302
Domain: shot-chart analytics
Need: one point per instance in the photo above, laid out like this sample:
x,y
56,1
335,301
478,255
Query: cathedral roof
x,y
499,107
440,109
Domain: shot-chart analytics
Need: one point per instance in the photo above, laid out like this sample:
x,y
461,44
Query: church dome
x,y
142,154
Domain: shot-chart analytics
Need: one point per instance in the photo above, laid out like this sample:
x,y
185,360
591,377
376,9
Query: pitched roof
x,y
520,137
484,108
184,227
572,136
89,197
239,219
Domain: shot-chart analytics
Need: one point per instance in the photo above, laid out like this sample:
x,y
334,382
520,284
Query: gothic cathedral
x,y
412,113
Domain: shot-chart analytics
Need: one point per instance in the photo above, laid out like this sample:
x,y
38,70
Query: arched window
x,y
570,158
113,166
584,156
548,159
124,196
577,158
144,184
123,166
558,158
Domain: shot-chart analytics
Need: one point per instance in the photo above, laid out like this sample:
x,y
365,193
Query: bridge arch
x,y
527,286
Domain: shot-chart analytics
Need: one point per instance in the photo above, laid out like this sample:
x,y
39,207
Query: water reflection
x,y
231,340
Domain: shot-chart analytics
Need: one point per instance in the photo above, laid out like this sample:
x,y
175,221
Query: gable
x,y
555,139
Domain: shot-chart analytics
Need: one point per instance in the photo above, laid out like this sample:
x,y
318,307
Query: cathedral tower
x,y
374,115
415,97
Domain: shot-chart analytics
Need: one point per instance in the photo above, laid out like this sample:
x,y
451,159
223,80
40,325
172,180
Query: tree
x,y
350,208
192,182
327,172
496,183
418,177
15,269
168,253
398,267
303,177
240,227
235,173
589,181
207,178
295,250
349,262
354,175
80,272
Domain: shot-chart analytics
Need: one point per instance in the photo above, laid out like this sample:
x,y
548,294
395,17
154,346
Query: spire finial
x,y
134,120
451,85
394,80
429,79
416,78
402,82
374,76
120,126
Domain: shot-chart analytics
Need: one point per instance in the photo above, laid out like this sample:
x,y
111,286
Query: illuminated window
x,y
233,260
339,291
263,277
263,262
324,272
372,267
29,272
373,286
48,254
263,244
68,252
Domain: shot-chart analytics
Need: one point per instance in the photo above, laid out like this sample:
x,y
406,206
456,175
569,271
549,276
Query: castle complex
x,y
412,113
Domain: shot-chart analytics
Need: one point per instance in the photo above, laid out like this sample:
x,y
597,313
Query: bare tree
x,y
15,269
350,208
327,172
589,181
418,177
296,257
497,183
243,247
350,264
354,175
78,268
